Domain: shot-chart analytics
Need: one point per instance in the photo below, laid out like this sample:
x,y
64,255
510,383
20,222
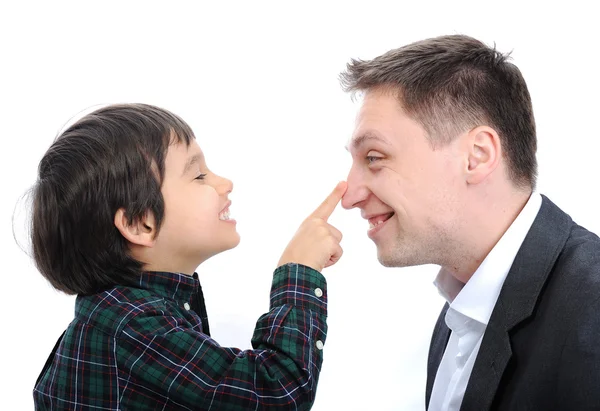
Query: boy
x,y
124,211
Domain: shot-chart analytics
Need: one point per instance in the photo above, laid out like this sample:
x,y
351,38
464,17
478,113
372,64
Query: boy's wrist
x,y
301,286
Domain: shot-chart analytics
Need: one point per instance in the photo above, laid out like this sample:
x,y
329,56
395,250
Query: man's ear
x,y
484,153
141,232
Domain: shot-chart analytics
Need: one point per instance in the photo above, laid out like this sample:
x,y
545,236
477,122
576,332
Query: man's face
x,y
196,224
408,191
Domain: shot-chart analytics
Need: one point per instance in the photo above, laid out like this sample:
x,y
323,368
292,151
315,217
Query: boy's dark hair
x,y
450,84
110,159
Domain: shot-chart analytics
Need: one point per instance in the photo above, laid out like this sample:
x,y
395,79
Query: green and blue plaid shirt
x,y
145,348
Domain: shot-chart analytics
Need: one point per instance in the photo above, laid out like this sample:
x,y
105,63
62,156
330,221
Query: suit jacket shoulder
x,y
542,325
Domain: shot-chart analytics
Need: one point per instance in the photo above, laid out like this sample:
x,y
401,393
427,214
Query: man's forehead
x,y
361,137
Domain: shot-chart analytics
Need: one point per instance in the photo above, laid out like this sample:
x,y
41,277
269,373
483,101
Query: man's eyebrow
x,y
357,142
195,159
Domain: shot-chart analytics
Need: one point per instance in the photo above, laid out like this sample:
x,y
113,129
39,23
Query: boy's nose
x,y
225,185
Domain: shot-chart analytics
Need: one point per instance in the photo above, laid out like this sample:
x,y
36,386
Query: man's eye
x,y
200,177
372,159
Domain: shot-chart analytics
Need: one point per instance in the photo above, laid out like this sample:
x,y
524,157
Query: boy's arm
x,y
161,359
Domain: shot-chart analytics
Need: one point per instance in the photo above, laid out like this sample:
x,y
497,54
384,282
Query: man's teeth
x,y
373,225
224,215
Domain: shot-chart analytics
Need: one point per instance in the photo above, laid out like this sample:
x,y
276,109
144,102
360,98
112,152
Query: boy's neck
x,y
155,261
170,268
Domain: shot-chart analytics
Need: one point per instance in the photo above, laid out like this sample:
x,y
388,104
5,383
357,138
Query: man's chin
x,y
396,259
386,262
385,259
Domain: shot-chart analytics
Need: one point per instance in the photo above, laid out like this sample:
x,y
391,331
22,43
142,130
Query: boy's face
x,y
196,223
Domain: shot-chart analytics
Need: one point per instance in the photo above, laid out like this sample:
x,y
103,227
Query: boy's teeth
x,y
224,215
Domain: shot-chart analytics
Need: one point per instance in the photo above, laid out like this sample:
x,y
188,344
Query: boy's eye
x,y
200,177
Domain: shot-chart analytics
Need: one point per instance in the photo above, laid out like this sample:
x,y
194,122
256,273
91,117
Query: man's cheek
x,y
388,187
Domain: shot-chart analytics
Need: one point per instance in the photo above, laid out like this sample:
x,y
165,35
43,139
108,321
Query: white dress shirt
x,y
471,306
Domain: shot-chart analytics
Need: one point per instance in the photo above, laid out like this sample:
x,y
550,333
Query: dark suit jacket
x,y
541,348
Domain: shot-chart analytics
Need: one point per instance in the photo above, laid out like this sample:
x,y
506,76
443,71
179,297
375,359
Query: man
x,y
444,170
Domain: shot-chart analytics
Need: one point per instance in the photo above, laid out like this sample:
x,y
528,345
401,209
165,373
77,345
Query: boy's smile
x,y
224,214
197,223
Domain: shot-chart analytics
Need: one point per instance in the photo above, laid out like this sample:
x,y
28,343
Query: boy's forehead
x,y
182,158
192,161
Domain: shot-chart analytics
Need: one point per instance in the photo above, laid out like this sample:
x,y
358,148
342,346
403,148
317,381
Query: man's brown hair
x,y
451,84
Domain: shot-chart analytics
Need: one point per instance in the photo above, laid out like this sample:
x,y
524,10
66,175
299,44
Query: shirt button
x,y
186,306
319,344
319,292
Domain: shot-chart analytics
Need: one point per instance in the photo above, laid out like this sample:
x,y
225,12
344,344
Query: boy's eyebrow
x,y
196,158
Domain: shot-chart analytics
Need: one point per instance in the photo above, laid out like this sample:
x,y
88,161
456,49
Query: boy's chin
x,y
228,245
233,245
234,242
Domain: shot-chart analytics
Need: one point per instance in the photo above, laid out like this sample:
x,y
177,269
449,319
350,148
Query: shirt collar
x,y
476,299
176,286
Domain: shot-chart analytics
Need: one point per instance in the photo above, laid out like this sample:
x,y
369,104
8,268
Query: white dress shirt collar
x,y
476,299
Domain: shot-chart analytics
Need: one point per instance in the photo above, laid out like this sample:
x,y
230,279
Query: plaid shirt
x,y
144,348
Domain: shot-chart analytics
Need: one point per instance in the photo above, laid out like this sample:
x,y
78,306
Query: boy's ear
x,y
140,232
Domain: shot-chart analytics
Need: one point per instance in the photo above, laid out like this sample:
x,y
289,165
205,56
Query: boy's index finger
x,y
332,200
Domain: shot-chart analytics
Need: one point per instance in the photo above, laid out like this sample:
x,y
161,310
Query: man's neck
x,y
486,227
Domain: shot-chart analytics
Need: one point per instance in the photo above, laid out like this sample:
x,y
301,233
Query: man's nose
x,y
357,191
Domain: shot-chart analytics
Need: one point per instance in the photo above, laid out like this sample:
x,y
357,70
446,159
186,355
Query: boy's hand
x,y
316,243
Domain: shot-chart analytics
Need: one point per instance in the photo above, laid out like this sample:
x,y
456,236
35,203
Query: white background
x,y
257,81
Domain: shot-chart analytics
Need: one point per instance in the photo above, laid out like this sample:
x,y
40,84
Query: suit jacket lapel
x,y
439,340
516,302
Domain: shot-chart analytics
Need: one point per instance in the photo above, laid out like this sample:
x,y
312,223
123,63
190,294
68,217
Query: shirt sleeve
x,y
166,362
